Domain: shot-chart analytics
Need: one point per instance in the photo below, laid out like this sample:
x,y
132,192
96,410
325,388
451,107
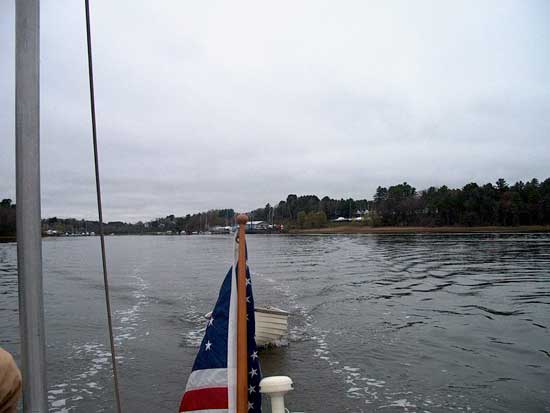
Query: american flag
x,y
211,387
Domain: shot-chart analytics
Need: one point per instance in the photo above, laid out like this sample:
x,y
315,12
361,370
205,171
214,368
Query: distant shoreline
x,y
356,229
359,229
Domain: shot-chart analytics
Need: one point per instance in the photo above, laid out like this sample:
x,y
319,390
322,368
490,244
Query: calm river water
x,y
426,323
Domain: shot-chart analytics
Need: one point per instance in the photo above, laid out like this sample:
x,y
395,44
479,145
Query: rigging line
x,y
99,207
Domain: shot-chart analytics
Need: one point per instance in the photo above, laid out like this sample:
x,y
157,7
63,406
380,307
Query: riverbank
x,y
359,229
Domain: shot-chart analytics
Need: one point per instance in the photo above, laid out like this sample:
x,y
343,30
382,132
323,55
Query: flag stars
x,y
251,389
211,321
248,281
254,355
248,299
208,345
253,372
250,406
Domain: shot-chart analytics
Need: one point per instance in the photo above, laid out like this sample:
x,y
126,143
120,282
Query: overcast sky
x,y
210,104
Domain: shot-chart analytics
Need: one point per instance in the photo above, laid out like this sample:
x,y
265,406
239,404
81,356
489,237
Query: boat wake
x,y
196,325
95,357
358,384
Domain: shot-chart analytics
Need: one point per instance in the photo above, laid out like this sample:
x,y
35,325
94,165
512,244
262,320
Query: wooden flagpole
x,y
242,343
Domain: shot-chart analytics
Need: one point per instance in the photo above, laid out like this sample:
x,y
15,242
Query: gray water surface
x,y
426,323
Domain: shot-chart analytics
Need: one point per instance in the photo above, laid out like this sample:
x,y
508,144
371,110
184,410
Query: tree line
x,y
189,223
7,218
310,211
500,204
522,203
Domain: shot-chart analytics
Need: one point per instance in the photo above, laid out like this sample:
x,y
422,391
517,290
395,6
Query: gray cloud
x,y
215,104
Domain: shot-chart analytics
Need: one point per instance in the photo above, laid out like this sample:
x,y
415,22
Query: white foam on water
x,y
359,386
372,391
129,319
298,331
59,403
403,403
283,342
193,336
62,398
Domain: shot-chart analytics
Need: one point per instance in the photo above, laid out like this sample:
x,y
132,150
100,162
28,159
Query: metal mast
x,y
29,231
